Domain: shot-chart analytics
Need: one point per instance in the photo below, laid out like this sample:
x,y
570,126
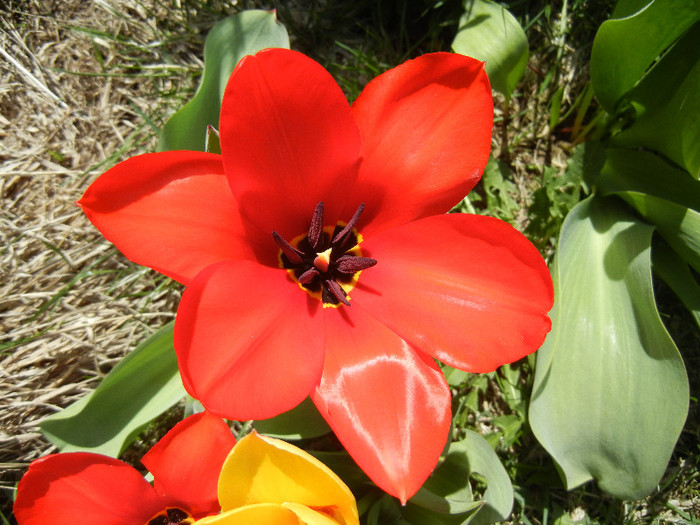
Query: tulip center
x,y
326,262
171,516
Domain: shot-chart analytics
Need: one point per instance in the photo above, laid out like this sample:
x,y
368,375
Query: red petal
x,y
247,342
85,488
288,140
187,461
388,404
426,132
172,212
467,289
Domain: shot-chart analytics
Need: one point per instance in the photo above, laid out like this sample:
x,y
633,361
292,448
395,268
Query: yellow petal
x,y
309,516
263,514
261,469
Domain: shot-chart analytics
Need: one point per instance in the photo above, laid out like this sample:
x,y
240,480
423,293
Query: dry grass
x,y
79,82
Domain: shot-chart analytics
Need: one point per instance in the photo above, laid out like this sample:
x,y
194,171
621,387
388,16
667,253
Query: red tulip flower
x,y
318,259
92,489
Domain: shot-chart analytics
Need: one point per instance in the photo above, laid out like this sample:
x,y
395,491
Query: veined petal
x,y
288,141
261,514
426,136
170,211
263,469
187,461
85,488
247,340
388,404
469,290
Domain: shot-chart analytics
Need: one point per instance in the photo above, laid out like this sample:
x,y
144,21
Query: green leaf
x,y
142,386
667,104
677,275
679,226
625,46
610,394
242,34
488,32
640,171
302,422
450,483
212,144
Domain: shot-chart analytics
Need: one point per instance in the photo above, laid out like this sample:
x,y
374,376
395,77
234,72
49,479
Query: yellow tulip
x,y
267,481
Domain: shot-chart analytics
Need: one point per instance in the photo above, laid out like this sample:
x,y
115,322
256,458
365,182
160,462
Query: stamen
x,y
316,227
308,276
351,264
337,291
327,261
342,234
290,251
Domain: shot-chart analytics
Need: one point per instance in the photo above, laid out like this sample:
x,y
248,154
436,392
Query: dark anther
x,y
308,276
342,235
323,261
176,515
171,516
290,251
352,264
337,291
316,227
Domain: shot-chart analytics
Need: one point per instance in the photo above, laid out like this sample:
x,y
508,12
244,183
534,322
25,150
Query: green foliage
x,y
229,41
667,105
446,498
488,32
302,422
142,386
556,197
632,40
610,394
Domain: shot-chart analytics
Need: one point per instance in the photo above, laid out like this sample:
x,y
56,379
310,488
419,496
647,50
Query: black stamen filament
x,y
322,262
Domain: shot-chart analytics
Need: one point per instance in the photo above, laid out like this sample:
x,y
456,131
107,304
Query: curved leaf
x,y
626,46
667,103
677,275
243,34
611,393
141,387
446,497
302,422
679,226
488,32
627,170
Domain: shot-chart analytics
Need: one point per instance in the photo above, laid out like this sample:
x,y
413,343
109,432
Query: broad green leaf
x,y
446,497
302,422
242,34
142,386
610,394
667,103
627,45
678,225
667,197
627,170
488,32
676,273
